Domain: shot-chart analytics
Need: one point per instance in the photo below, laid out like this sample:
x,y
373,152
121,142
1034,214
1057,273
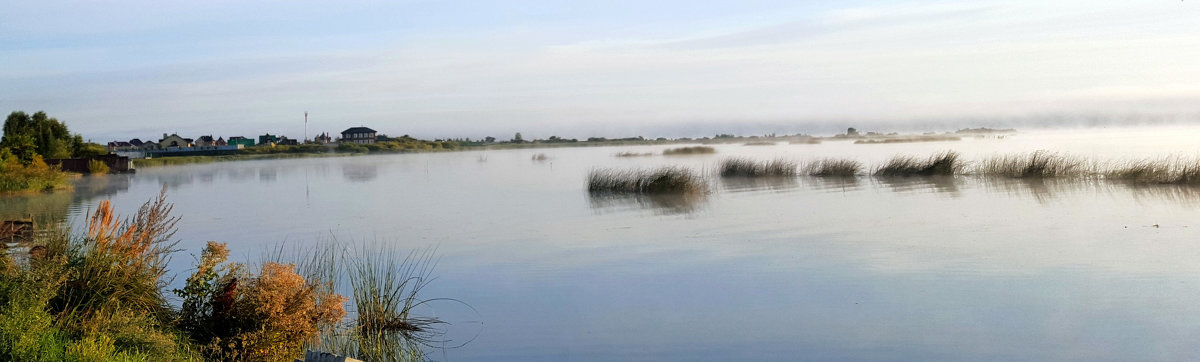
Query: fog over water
x,y
869,268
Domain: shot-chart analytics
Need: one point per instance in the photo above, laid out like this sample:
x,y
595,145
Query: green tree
x,y
46,135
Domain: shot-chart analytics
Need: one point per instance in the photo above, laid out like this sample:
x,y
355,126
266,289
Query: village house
x,y
206,141
239,140
174,141
323,138
359,135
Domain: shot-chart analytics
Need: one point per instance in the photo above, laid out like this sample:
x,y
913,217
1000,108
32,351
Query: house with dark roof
x,y
174,141
239,140
359,135
204,141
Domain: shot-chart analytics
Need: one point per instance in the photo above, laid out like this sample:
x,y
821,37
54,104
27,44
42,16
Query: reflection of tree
x,y
267,174
52,208
743,184
659,204
356,172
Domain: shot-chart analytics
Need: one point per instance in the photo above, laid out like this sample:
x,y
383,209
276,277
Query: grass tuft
x,y
664,180
832,167
1039,164
1166,171
694,150
742,167
941,164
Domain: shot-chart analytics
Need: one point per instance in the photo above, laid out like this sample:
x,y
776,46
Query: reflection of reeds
x,y
832,167
941,164
664,204
1035,165
743,167
540,157
1167,171
663,180
694,150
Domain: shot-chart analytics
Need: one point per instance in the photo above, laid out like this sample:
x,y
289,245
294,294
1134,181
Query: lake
x,y
958,268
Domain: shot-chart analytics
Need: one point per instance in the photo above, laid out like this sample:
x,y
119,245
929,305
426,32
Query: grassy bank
x,y
102,296
34,177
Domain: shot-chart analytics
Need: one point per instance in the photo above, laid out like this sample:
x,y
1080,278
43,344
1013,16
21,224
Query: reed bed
x,y
941,164
1165,171
907,140
693,150
759,143
1039,164
666,180
633,154
744,167
833,167
806,141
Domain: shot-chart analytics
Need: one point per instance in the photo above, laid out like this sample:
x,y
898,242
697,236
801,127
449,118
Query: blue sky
x,y
126,69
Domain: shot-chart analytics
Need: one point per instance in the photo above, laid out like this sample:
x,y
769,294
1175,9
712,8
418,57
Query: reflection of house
x,y
174,141
360,135
239,140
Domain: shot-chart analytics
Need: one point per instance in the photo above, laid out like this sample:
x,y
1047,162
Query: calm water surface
x,y
868,269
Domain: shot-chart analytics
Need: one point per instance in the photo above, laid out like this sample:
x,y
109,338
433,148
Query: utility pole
x,y
305,127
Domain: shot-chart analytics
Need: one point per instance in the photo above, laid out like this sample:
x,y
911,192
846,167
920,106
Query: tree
x,y
489,139
46,136
517,138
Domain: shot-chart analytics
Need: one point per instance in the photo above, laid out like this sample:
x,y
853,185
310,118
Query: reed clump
x,y
743,167
1039,164
1167,171
941,164
666,180
759,143
633,154
833,167
693,150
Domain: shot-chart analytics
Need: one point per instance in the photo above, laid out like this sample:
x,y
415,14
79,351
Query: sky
x,y
611,68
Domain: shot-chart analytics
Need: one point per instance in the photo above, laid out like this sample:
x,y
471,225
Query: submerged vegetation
x,y
941,164
102,296
743,167
666,180
832,167
693,150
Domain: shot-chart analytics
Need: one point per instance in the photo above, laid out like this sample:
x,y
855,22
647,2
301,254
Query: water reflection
x,y
948,185
1042,190
833,184
267,174
360,172
659,204
745,184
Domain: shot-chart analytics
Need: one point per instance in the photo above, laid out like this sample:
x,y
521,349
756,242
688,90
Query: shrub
x,y
97,167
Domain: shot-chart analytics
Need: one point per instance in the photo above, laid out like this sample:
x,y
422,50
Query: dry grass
x,y
832,167
941,164
742,167
664,180
1166,171
694,150
1039,164
759,143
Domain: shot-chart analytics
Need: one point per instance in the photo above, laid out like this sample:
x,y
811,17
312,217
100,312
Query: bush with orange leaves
x,y
268,317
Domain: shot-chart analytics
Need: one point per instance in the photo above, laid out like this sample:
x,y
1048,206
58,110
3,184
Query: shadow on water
x,y
659,204
360,172
948,185
748,184
1042,190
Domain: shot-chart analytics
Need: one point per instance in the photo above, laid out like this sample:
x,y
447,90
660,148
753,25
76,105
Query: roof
x,y
206,138
358,130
